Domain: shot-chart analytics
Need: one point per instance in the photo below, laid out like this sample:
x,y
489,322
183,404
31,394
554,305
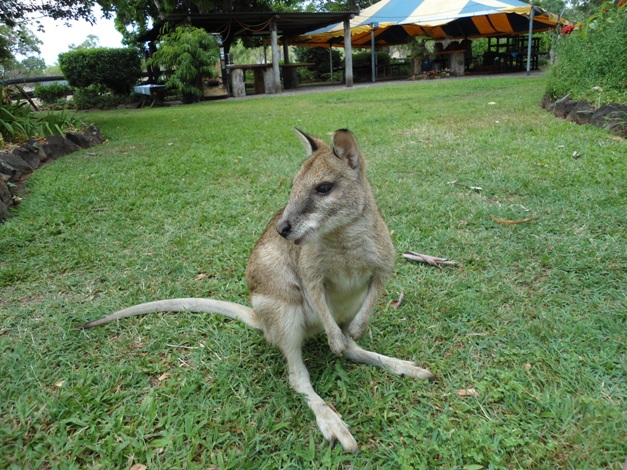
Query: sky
x,y
57,37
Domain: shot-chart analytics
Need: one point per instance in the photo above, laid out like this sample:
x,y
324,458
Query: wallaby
x,y
321,264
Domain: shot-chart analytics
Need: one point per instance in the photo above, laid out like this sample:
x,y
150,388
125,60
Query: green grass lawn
x,y
533,318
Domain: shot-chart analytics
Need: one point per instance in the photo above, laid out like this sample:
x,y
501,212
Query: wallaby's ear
x,y
345,146
311,143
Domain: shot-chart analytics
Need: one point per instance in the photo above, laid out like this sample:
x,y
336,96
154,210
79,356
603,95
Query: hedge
x,y
117,69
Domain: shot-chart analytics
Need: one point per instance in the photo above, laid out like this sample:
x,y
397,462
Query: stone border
x,y
19,163
612,116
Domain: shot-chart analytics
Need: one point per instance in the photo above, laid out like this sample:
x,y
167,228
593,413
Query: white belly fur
x,y
346,293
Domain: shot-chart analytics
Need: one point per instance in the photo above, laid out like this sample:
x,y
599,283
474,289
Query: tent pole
x,y
531,13
373,56
348,53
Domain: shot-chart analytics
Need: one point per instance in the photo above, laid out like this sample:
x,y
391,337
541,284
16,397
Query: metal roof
x,y
289,24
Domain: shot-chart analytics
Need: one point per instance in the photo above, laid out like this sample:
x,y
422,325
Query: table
x,y
263,77
150,91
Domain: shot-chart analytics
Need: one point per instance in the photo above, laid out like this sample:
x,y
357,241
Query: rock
x,y
581,113
11,173
548,104
17,162
85,140
612,117
563,106
5,193
4,212
56,146
29,153
94,133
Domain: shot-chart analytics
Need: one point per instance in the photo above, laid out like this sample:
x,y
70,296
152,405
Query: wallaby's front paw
x,y
356,331
338,344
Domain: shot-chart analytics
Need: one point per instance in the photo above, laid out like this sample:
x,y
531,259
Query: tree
x,y
15,41
340,5
16,12
187,54
16,15
32,66
90,43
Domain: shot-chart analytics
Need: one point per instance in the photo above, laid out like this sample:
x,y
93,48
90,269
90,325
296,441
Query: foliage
x,y
99,97
15,41
17,14
364,59
339,5
115,68
591,62
187,54
319,56
532,318
362,64
91,42
52,93
18,122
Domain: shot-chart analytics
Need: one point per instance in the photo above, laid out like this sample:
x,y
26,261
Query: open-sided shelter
x,y
230,26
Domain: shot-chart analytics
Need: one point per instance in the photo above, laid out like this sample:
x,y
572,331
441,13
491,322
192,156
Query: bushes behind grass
x,y
591,60
52,93
102,76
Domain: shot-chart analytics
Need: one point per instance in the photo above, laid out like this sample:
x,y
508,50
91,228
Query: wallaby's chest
x,y
346,291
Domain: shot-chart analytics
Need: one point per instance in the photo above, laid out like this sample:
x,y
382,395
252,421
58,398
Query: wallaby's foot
x,y
409,369
397,366
333,428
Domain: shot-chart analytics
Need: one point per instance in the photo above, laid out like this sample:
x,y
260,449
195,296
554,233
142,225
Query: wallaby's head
x,y
329,192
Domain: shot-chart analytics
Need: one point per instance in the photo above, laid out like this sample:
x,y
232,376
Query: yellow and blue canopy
x,y
397,21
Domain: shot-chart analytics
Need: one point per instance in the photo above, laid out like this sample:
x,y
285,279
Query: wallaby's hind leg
x,y
397,366
333,428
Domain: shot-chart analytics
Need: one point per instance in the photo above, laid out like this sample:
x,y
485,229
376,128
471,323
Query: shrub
x,y
320,57
591,62
98,97
187,54
18,122
117,69
363,59
362,64
52,93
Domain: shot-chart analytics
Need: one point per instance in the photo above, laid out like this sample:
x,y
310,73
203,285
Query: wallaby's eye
x,y
324,188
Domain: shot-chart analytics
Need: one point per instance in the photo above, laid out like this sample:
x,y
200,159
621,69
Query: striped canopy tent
x,y
397,21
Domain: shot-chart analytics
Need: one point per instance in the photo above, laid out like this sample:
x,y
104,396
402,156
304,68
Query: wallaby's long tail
x,y
228,309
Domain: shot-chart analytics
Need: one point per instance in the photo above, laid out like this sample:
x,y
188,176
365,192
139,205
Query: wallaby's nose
x,y
284,228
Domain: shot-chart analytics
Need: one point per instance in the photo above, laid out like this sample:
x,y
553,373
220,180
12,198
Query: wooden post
x,y
286,51
348,54
457,64
237,82
275,58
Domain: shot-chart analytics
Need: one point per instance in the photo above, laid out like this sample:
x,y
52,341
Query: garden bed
x,y
18,163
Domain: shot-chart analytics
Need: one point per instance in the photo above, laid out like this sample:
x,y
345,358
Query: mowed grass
x,y
531,324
